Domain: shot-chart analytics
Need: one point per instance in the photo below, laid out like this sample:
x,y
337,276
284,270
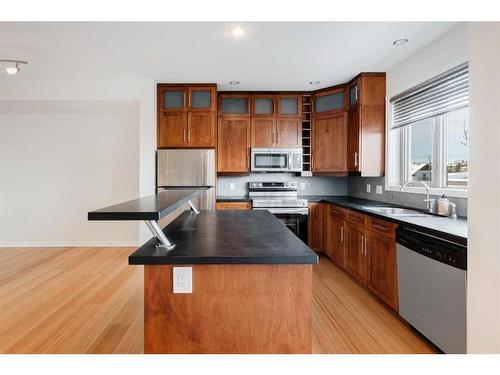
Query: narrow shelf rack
x,y
306,135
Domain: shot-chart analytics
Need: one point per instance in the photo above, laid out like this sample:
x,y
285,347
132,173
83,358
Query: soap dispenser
x,y
443,206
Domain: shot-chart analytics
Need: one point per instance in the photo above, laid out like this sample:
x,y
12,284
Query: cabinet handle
x,y
189,135
379,227
341,233
355,159
272,138
184,135
184,94
366,246
277,138
189,101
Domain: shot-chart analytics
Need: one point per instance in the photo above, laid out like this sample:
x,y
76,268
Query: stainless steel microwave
x,y
276,160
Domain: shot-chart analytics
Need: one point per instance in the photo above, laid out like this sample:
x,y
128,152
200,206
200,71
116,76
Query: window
x,y
428,137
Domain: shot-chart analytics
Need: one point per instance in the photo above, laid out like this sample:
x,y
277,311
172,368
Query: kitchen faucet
x,y
428,201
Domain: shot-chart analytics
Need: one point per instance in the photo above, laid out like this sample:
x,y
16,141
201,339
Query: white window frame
x,y
397,164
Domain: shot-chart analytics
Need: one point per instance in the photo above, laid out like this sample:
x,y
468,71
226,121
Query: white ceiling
x,y
273,55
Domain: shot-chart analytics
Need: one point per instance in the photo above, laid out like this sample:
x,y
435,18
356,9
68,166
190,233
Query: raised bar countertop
x,y
153,207
227,237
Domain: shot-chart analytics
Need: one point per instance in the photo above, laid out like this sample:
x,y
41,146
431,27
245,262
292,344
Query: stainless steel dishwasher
x,y
432,277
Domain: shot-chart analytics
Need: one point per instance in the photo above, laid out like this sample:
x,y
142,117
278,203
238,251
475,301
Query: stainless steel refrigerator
x,y
187,169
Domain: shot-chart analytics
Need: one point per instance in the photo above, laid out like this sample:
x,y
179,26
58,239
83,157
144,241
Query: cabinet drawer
x,y
383,227
357,218
233,205
337,211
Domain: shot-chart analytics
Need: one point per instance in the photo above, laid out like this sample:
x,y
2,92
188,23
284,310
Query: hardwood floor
x,y
88,300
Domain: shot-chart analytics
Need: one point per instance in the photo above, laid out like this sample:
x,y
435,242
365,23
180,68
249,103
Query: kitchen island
x,y
251,284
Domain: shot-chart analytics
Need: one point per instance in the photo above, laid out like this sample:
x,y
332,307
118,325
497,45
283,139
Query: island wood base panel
x,y
233,309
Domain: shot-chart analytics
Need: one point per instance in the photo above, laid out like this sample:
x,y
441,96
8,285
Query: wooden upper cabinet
x,y
276,120
289,105
263,132
366,125
329,136
201,132
353,134
288,132
329,101
186,115
382,271
233,145
202,98
172,129
233,105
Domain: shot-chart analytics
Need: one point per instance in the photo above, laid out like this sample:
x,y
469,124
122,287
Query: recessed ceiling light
x,y
314,82
400,42
236,31
234,83
11,70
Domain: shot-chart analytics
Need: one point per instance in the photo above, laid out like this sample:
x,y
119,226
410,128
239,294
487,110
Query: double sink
x,y
395,211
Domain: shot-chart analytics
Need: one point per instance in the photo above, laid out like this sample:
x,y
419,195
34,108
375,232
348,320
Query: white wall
x,y
483,302
443,54
58,160
113,122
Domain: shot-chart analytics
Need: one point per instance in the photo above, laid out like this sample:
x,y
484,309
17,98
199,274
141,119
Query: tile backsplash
x,y
311,185
353,186
357,188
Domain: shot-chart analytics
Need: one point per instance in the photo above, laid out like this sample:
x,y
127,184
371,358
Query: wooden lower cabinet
x,y
335,238
364,247
356,263
382,271
233,205
315,226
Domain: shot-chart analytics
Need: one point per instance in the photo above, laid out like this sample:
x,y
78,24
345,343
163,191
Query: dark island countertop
x,y
153,207
444,227
227,237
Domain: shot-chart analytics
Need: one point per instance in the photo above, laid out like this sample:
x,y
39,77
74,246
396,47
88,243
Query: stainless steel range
x,y
280,198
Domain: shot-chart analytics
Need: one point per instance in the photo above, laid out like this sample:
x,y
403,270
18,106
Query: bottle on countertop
x,y
443,206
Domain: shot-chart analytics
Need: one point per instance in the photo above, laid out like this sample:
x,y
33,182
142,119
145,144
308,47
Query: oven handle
x,y
299,211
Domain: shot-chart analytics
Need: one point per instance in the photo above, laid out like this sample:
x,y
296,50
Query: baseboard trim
x,y
71,244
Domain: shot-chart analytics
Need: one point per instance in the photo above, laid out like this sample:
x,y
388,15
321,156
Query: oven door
x,y
270,161
297,223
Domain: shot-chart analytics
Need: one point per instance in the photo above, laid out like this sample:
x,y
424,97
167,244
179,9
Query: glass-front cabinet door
x,y
173,99
201,98
329,101
263,105
354,94
234,105
289,105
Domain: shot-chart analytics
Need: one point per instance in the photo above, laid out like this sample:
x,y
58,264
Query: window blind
x,y
445,93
